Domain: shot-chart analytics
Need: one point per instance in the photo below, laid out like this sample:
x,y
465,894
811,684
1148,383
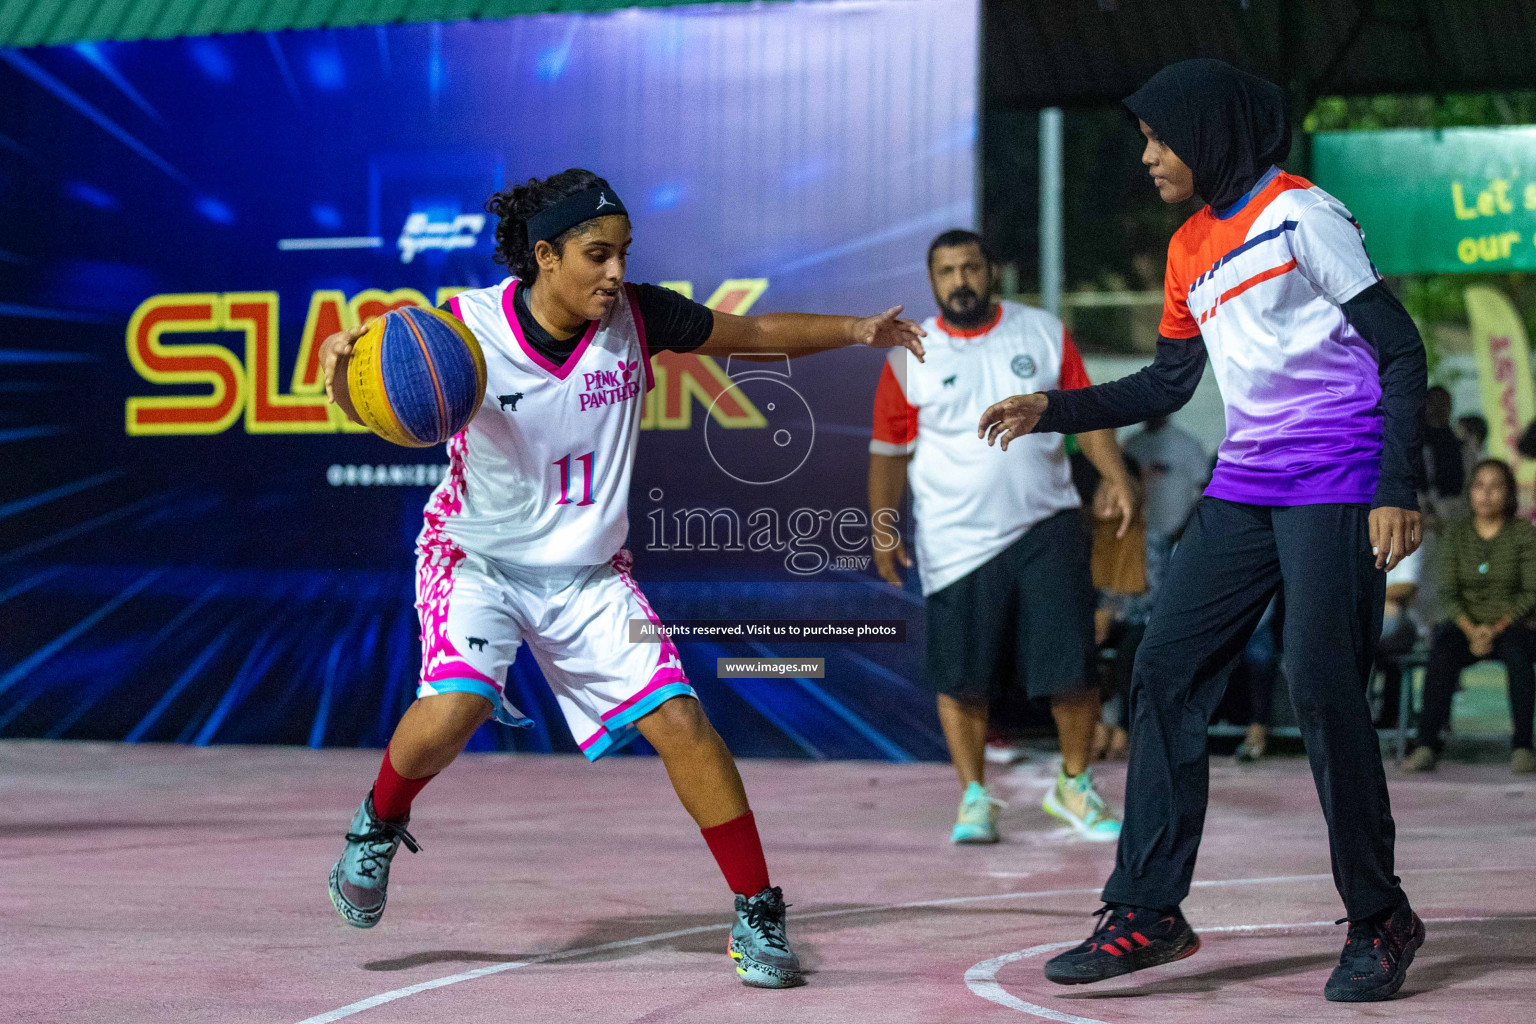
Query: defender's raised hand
x,y
1011,418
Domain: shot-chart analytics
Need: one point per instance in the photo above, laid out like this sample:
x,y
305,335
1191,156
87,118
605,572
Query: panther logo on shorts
x,y
1023,366
476,643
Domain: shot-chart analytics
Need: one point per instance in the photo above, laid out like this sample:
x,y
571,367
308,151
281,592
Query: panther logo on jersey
x,y
509,402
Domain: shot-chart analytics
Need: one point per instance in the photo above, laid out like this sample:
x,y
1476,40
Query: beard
x,y
965,309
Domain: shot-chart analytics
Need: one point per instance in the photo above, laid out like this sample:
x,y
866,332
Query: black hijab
x,y
1226,125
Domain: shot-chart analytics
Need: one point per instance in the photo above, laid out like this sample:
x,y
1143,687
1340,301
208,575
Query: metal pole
x,y
1050,210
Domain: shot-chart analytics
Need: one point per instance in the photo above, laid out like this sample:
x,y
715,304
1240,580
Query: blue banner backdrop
x,y
194,549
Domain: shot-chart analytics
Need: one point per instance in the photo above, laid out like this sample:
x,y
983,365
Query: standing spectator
x,y
1526,446
1473,431
1488,586
1002,550
1174,471
1444,470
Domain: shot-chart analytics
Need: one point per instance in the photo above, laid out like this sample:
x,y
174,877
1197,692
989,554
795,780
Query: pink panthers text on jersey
x,y
541,477
970,500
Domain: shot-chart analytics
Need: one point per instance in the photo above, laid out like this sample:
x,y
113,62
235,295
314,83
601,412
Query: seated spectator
x,y
1400,632
1488,588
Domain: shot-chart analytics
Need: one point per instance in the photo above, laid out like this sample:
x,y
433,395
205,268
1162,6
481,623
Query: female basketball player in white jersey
x,y
523,541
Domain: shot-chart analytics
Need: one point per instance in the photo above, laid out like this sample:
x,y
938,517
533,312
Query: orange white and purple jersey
x,y
1263,283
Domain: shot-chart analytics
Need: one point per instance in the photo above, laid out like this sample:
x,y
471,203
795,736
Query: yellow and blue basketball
x,y
416,377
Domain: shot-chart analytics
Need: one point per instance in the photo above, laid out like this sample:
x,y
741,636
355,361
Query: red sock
x,y
739,852
393,793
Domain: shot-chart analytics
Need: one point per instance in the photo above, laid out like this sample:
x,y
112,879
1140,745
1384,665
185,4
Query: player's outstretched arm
x,y
1156,390
335,353
801,334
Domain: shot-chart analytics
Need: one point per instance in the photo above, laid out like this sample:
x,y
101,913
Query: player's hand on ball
x,y
886,562
334,351
1011,418
886,330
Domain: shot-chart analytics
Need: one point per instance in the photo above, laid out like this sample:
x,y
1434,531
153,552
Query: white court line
x,y
982,978
570,954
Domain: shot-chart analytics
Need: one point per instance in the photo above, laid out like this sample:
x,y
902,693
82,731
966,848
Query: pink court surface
x,y
147,883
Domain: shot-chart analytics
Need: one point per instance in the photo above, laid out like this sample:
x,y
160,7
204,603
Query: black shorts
x,y
1024,618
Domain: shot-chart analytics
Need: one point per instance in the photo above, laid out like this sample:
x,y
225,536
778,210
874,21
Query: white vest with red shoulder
x,y
970,500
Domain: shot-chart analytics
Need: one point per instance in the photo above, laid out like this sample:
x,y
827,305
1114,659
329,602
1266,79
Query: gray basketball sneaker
x,y
361,877
759,945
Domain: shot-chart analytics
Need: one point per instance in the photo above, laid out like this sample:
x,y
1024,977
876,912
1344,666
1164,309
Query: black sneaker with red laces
x,y
1127,939
1376,957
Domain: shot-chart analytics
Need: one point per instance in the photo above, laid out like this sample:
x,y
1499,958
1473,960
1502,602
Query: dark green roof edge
x,y
57,22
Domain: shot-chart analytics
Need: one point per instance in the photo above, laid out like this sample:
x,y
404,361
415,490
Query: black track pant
x,y
1230,561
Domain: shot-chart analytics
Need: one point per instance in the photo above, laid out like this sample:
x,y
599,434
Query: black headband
x,y
551,223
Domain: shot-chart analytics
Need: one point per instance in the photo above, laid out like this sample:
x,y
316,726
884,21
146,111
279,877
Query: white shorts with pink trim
x,y
475,613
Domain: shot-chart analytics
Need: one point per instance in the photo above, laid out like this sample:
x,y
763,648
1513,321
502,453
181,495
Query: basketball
x,y
417,376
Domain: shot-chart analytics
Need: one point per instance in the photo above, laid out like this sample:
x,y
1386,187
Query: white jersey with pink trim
x,y
541,477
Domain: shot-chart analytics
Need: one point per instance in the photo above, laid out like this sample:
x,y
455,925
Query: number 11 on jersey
x,y
564,465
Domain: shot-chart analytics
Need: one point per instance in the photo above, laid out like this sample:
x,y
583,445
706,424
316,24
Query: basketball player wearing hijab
x,y
1322,374
523,540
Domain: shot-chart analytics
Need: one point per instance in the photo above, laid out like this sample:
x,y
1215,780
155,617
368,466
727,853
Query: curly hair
x,y
515,205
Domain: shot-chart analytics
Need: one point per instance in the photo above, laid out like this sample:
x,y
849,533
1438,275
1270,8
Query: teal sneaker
x,y
759,945
1076,802
359,880
977,821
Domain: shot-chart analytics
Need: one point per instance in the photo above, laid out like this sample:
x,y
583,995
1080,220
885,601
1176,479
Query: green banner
x,y
1458,200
